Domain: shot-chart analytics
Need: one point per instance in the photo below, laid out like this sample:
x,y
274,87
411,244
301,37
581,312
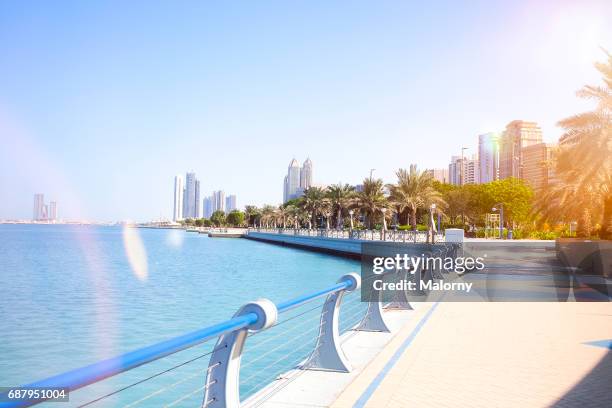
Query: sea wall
x,y
337,246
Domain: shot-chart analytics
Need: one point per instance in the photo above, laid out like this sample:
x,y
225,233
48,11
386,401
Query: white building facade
x,y
177,214
297,179
230,203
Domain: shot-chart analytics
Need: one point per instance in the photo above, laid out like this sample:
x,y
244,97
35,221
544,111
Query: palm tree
x,y
340,197
293,215
414,190
267,215
252,213
326,209
312,200
371,200
281,214
583,164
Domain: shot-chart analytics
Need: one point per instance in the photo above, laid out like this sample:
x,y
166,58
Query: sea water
x,y
74,295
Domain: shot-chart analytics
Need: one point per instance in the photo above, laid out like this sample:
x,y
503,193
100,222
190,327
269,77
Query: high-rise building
x,y
306,175
207,207
297,179
39,203
218,200
441,175
285,189
470,170
53,211
488,157
537,171
178,198
198,209
518,134
454,171
189,196
230,203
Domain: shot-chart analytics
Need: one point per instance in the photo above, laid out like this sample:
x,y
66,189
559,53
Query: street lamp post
x,y
501,219
351,212
384,228
432,224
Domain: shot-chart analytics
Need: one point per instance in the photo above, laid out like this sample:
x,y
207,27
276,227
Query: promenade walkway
x,y
492,355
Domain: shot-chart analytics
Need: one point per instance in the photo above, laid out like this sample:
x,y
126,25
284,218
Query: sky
x,y
103,103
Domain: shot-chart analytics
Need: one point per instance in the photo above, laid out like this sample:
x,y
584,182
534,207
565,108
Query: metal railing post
x,y
327,354
221,389
373,320
400,301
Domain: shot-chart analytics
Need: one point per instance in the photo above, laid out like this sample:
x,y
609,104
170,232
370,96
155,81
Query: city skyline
x,y
42,211
143,102
297,180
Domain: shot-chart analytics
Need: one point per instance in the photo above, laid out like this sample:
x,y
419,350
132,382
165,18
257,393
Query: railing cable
x,y
146,379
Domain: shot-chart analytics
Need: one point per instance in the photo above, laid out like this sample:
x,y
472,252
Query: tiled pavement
x,y
494,355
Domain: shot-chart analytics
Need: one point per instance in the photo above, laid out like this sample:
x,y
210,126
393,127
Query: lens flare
x,y
136,252
175,238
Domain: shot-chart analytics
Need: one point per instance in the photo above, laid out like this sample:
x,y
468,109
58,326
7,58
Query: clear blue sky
x,y
102,103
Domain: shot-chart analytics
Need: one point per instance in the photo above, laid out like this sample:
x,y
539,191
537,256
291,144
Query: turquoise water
x,y
70,297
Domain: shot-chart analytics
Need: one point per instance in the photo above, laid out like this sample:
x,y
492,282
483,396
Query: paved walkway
x,y
492,355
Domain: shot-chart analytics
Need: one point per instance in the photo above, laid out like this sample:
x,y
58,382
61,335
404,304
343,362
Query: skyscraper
x,y
197,210
440,175
518,134
306,175
53,211
178,198
218,200
207,207
488,157
470,170
189,197
285,189
454,170
39,203
295,182
537,171
230,203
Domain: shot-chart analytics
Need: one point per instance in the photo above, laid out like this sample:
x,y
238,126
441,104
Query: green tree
x,y
312,202
267,217
252,214
218,218
583,165
198,222
414,190
515,195
236,218
340,197
457,204
371,200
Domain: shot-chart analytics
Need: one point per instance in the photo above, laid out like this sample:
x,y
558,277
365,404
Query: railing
x,y
222,377
221,387
366,235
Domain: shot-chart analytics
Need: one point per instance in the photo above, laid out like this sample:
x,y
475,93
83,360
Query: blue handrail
x,y
300,300
81,377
